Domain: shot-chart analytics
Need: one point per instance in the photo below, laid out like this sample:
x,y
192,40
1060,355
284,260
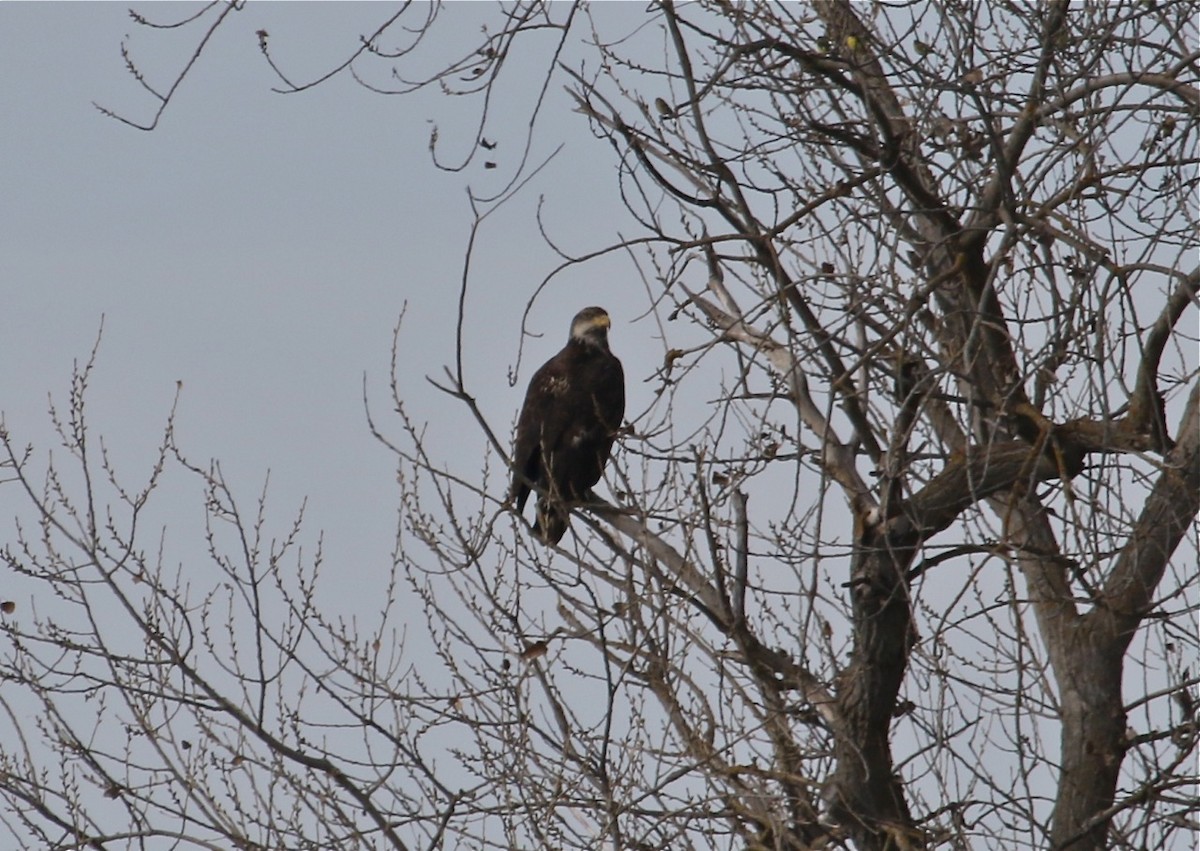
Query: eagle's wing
x,y
540,424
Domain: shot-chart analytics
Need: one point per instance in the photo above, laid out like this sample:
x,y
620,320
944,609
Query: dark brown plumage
x,y
565,433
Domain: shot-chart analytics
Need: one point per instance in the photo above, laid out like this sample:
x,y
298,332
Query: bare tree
x,y
923,575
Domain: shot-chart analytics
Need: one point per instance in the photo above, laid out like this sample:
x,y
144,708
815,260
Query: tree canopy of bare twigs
x,y
900,551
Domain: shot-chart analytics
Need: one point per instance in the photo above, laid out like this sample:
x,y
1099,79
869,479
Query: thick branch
x,y
1170,510
972,477
837,458
1145,405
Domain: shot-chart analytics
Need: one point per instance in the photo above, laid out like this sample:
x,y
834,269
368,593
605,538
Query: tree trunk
x,y
1092,741
865,795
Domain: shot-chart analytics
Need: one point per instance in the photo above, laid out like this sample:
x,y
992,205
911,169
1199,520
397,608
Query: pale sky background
x,y
259,248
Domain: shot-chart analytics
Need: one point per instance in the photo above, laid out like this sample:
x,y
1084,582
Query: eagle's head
x,y
590,326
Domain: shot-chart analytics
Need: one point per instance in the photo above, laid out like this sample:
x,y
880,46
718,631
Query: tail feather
x,y
552,521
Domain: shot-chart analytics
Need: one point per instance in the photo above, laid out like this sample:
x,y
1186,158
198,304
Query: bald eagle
x,y
572,411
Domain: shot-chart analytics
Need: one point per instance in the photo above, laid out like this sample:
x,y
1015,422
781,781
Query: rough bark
x,y
865,795
1088,656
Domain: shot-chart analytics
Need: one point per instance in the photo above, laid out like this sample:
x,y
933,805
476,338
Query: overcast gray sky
x,y
259,248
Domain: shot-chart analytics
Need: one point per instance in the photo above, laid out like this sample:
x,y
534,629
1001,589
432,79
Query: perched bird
x,y
573,408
